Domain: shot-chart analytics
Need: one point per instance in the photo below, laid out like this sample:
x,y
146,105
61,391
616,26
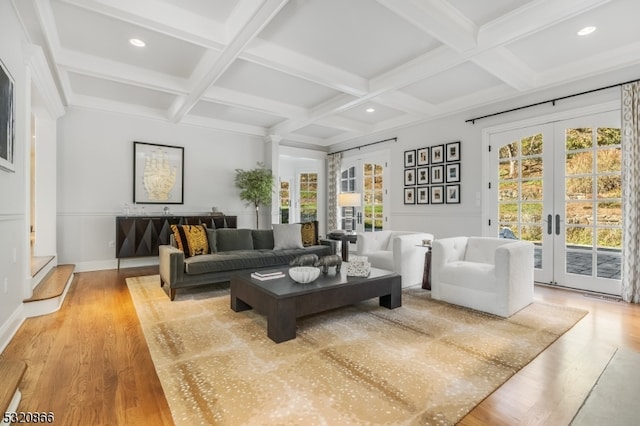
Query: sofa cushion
x,y
211,236
191,239
262,239
381,259
287,236
233,239
248,259
479,276
309,233
482,249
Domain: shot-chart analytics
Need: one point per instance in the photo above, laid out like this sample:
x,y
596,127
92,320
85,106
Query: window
x,y
308,197
285,201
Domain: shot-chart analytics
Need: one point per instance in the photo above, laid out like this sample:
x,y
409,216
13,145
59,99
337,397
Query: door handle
x,y
549,224
557,224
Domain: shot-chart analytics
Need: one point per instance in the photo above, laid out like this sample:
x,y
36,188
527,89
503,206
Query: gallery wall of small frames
x,y
432,174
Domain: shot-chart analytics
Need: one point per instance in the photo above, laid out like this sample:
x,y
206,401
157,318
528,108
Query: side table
x,y
426,276
345,239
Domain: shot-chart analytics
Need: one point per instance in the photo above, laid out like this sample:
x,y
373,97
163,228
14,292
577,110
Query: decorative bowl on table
x,y
304,274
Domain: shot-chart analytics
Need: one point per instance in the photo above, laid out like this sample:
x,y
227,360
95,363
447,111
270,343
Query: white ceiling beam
x,y
162,17
256,22
404,102
227,126
245,101
332,106
531,18
108,105
343,123
624,56
47,21
438,18
279,58
506,66
99,67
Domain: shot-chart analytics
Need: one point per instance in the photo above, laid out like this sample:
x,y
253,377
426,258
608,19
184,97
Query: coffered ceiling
x,y
307,71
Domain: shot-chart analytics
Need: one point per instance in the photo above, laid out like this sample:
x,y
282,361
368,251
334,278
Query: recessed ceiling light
x,y
137,42
586,31
370,110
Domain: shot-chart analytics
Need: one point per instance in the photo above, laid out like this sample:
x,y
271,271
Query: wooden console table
x,y
140,236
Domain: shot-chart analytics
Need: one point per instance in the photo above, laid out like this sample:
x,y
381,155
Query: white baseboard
x,y
101,265
10,327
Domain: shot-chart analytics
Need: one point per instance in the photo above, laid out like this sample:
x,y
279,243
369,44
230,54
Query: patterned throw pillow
x,y
191,239
308,234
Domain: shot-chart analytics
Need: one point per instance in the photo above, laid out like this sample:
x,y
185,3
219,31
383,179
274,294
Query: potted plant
x,y
256,186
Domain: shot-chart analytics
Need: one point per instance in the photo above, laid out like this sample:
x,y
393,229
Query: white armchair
x,y
397,251
493,275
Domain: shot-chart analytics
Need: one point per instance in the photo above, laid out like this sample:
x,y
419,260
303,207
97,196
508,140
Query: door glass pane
x,y
285,202
600,229
579,139
520,191
308,197
579,163
373,197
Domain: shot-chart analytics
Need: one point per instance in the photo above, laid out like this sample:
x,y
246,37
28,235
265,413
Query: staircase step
x,y
53,284
11,373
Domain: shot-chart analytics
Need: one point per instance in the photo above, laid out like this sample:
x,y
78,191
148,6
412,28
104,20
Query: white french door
x,y
559,186
366,176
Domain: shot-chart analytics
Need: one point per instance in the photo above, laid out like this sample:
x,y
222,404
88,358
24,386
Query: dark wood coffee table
x,y
283,300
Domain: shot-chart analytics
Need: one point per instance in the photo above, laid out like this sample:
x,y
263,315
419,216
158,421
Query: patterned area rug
x,y
424,363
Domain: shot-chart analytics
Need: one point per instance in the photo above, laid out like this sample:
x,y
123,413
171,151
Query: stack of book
x,y
267,275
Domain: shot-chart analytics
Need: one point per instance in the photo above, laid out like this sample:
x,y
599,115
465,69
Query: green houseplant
x,y
256,186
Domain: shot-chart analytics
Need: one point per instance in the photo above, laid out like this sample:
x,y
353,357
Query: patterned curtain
x,y
335,162
631,192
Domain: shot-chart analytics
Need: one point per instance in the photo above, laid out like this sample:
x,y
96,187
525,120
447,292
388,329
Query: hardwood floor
x,y
89,364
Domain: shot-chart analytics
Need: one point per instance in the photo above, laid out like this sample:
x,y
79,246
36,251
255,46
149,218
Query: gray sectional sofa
x,y
233,251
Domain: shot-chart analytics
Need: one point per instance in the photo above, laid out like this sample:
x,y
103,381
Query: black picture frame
x,y
423,156
422,195
437,195
437,174
158,173
7,119
409,177
437,154
410,158
452,194
410,195
453,151
452,172
422,175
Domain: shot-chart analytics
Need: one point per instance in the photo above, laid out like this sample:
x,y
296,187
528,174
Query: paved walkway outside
x,y
580,262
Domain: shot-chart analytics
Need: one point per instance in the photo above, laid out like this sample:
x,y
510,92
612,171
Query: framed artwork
x,y
7,118
437,154
409,177
437,174
423,175
410,158
437,196
423,195
453,151
158,174
453,194
452,172
423,156
409,195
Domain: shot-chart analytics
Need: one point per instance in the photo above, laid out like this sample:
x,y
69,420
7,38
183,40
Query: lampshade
x,y
349,199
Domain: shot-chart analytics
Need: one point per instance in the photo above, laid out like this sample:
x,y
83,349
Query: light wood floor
x,y
89,363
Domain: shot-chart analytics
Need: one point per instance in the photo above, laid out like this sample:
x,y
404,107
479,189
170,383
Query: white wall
x,y
14,215
95,177
447,220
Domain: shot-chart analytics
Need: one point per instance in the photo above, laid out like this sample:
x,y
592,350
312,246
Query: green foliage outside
x,y
520,187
